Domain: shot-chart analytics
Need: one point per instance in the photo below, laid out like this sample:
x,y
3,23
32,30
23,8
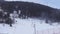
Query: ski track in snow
x,y
25,26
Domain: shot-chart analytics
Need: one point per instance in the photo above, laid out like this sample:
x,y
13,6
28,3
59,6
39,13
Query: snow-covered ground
x,y
26,26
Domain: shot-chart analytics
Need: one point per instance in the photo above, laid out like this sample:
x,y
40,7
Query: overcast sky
x,y
51,3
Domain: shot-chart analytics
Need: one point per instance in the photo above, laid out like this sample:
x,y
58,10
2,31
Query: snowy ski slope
x,y
26,26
